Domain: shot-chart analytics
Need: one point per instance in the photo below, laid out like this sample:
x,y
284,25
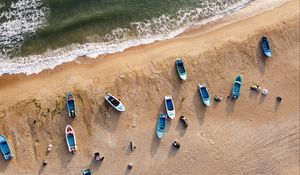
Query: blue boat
x,y
71,139
266,46
236,89
181,69
204,94
87,172
71,105
5,148
161,125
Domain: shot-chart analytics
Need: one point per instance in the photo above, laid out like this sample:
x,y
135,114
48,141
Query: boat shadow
x,y
3,164
155,140
260,58
63,153
230,105
111,117
199,107
155,144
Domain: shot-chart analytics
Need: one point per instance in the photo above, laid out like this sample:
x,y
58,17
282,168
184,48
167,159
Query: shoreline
x,y
253,135
254,8
123,58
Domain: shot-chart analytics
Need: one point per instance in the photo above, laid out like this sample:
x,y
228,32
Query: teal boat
x,y
5,148
181,69
236,89
161,125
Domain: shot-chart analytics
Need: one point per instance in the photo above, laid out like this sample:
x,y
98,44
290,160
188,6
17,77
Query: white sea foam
x,y
144,32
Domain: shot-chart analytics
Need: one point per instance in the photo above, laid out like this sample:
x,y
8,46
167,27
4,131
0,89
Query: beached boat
x,y
71,139
161,125
71,106
266,46
170,107
204,94
114,102
236,89
87,172
5,148
181,69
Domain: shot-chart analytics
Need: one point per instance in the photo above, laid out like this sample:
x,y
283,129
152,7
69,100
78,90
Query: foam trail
x,y
145,32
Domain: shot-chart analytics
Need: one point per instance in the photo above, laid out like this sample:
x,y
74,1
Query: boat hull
x,y
170,112
71,105
5,148
161,125
71,139
120,107
181,69
236,89
204,94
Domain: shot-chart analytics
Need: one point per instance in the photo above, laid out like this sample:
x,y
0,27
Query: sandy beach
x,y
253,135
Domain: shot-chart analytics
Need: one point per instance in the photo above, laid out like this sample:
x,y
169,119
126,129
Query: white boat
x,y
204,94
71,139
170,107
114,102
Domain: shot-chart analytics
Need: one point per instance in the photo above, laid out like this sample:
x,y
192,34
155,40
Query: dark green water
x,y
54,31
72,21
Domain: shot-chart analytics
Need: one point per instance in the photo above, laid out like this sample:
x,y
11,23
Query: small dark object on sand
x,y
278,99
217,98
132,146
184,121
45,163
98,157
176,144
130,166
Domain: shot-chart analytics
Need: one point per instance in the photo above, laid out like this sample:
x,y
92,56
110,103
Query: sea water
x,y
41,34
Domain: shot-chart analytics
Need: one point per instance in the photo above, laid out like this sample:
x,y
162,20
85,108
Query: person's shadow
x,y
172,152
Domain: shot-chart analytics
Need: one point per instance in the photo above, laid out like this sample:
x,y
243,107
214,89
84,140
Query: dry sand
x,y
254,135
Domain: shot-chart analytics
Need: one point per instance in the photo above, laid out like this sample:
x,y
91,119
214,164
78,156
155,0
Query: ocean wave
x,y
18,21
139,33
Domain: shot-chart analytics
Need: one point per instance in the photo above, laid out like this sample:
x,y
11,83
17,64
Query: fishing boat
x,y
5,148
236,89
114,102
181,69
71,139
266,46
170,108
161,125
71,106
204,94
